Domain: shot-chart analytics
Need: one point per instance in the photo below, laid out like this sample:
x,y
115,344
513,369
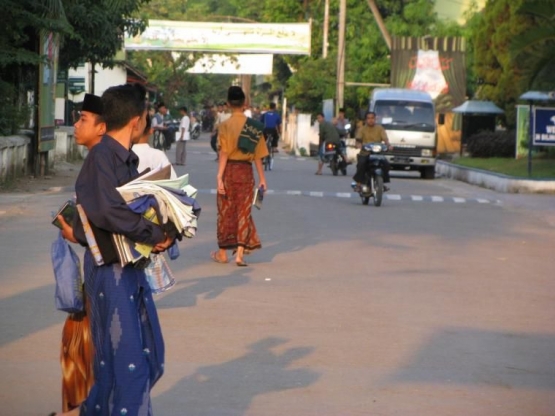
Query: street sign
x,y
544,126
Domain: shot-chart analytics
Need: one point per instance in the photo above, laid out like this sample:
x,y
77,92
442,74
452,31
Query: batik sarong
x,y
235,225
129,348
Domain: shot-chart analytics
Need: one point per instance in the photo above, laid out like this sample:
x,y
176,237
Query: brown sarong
x,y
235,225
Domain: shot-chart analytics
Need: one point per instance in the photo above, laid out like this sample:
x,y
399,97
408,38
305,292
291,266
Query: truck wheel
x,y
428,172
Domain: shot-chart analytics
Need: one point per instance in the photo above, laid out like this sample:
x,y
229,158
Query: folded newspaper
x,y
171,208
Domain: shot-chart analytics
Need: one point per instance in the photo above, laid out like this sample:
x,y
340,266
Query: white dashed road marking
x,y
389,197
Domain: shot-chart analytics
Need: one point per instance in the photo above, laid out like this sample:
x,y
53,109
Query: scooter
x,y
195,130
373,186
334,155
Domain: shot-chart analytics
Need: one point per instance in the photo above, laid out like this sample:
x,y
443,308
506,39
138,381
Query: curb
x,y
495,181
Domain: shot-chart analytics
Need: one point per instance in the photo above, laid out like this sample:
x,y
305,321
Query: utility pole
x,y
379,21
326,28
341,53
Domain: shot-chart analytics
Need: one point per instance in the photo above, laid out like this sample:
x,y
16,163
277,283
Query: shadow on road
x,y
228,389
503,359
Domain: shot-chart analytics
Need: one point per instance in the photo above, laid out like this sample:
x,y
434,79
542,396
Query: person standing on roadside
x,y
240,143
128,342
77,353
183,136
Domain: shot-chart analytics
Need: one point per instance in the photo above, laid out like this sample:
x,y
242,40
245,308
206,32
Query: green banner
x,y
282,38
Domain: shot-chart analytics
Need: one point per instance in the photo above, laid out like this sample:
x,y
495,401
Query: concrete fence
x,y
14,156
300,133
15,153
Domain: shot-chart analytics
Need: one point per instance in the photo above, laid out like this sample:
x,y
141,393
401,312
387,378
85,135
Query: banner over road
x,y
275,38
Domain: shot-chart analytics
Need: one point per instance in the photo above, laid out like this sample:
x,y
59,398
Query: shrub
x,y
492,144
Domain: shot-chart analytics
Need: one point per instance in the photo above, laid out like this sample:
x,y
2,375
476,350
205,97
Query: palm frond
x,y
538,8
531,38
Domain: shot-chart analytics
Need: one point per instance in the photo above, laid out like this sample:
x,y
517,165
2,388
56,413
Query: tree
x,y
98,33
535,46
500,77
23,22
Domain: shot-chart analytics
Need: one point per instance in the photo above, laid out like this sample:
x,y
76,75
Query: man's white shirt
x,y
151,158
184,125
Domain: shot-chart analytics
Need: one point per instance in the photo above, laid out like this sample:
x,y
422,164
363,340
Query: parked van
x,y
408,117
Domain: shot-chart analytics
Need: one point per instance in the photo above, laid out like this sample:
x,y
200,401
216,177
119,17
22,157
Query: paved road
x,y
440,302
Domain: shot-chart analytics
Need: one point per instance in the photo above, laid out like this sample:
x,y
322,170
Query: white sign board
x,y
253,64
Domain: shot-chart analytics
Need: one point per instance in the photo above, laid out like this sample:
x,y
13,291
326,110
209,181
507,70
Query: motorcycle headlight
x,y
427,153
376,148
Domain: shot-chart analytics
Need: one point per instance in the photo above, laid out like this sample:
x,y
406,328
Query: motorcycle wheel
x,y
333,167
158,141
365,200
344,171
378,191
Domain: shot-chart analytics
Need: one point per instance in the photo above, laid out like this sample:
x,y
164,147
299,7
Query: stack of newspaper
x,y
177,207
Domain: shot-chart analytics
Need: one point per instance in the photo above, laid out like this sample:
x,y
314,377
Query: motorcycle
x,y
195,130
334,156
373,186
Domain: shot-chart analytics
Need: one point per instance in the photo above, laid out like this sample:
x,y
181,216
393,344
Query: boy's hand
x,y
67,231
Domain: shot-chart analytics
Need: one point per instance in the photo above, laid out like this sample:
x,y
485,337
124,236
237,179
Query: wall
x,y
14,153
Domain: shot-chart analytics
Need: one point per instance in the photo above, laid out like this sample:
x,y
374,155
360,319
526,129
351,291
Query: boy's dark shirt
x,y
107,166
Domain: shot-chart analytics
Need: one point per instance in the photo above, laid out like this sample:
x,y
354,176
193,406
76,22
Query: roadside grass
x,y
542,167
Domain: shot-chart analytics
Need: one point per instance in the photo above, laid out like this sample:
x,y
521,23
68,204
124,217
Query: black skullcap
x,y
235,93
92,104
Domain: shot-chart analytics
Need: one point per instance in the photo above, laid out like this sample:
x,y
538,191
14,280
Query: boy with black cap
x,y
240,143
90,127
76,357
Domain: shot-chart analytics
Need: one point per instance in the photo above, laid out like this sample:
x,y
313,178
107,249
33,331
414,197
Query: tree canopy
x,y
367,56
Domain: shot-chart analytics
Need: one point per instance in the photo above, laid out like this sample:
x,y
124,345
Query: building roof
x,y
538,96
478,107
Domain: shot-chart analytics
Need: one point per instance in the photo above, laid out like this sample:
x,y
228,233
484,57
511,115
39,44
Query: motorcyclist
x,y
160,122
327,134
370,133
341,123
272,123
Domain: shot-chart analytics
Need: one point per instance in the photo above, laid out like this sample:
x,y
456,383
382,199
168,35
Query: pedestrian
x,y
326,133
128,343
240,143
148,156
222,115
183,137
76,356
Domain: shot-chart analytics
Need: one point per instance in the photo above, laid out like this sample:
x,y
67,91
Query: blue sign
x,y
544,126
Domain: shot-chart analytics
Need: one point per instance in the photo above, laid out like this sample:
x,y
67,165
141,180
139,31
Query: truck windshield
x,y
405,115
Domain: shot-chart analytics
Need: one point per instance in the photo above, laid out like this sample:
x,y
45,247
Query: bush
x,y
492,144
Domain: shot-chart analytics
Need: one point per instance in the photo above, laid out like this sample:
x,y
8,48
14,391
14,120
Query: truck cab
x,y
408,117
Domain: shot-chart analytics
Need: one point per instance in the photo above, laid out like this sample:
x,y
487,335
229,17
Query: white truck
x,y
408,117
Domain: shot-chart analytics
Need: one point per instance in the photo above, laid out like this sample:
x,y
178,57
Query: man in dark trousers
x,y
272,123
